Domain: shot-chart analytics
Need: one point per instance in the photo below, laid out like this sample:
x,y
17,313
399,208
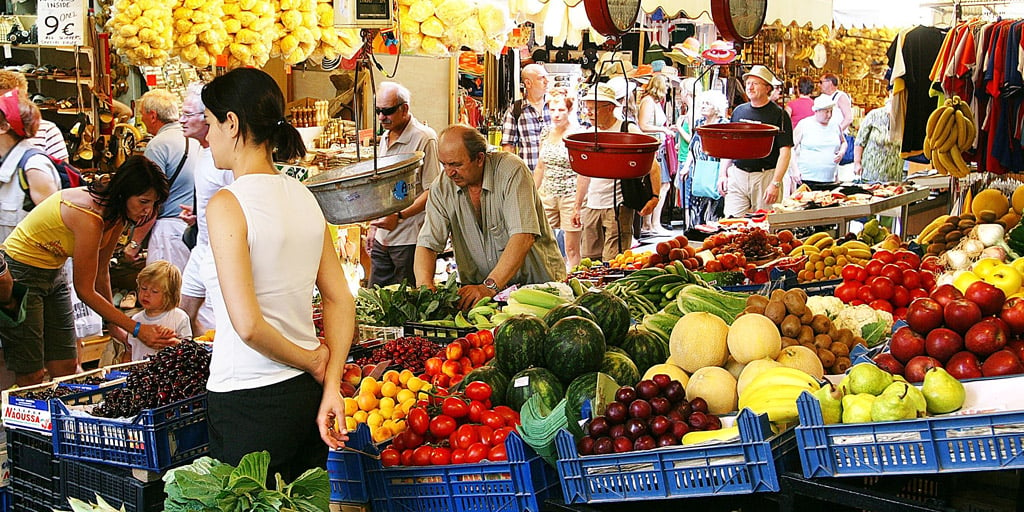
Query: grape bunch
x,y
172,374
410,353
47,394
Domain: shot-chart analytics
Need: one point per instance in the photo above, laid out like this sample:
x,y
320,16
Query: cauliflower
x,y
825,305
871,324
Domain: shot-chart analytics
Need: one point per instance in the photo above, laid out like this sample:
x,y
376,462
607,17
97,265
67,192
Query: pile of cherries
x,y
172,374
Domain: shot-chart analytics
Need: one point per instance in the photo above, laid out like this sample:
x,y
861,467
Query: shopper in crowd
x,y
175,155
818,147
48,137
844,105
875,156
19,121
526,118
701,179
730,86
271,245
756,184
208,180
607,223
394,238
86,225
488,204
554,178
653,120
159,287
800,107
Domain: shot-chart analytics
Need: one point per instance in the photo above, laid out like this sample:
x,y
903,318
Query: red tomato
x,y
881,305
500,435
433,366
454,407
390,457
899,313
458,456
917,293
492,419
497,453
466,435
511,415
932,264
489,352
903,265
900,297
421,456
442,426
453,351
476,453
476,407
440,456
873,267
406,457
851,271
478,391
910,257
893,272
398,443
856,302
486,337
865,294
486,434
477,356
412,439
418,420
882,288
927,281
847,291
884,256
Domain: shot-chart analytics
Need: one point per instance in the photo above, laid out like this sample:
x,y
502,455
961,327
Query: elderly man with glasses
x,y
394,237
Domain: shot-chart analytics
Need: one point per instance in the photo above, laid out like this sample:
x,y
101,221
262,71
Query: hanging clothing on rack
x,y
920,48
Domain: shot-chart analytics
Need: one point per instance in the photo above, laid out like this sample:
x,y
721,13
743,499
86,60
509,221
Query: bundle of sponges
x,y
199,34
249,25
141,31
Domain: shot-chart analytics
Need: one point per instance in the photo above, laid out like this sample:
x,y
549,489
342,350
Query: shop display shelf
x,y
748,466
117,486
347,470
522,483
436,333
942,444
156,439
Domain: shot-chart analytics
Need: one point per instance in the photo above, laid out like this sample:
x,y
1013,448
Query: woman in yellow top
x,y
84,224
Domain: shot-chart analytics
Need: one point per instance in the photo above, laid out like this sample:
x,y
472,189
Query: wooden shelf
x,y
47,47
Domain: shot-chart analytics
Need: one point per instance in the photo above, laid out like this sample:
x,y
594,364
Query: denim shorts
x,y
48,332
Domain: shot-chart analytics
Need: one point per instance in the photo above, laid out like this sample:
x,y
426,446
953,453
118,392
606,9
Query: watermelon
x,y
610,312
568,309
583,389
621,368
518,343
645,348
534,381
619,350
493,377
575,345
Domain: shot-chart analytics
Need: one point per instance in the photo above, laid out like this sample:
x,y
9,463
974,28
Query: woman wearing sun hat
x,y
818,146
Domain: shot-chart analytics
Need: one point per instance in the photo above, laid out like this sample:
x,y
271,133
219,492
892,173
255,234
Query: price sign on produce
x,y
61,22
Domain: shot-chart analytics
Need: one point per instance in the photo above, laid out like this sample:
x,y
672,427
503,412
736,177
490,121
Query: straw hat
x,y
720,52
761,72
604,93
620,85
609,66
823,102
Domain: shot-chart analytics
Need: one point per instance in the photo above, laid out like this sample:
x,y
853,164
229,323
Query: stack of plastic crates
x,y
35,472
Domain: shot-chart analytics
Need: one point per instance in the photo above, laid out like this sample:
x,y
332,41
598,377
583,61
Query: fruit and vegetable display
x,y
651,289
174,373
383,405
459,358
949,133
888,282
409,352
826,257
693,298
395,305
631,260
536,300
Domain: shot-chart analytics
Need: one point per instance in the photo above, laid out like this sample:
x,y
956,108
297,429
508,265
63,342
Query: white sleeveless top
x,y
285,238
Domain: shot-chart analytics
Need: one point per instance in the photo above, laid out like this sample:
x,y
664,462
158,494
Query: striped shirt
x,y
49,139
525,134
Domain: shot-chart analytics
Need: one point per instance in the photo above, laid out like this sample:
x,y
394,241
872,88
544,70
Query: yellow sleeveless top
x,y
41,239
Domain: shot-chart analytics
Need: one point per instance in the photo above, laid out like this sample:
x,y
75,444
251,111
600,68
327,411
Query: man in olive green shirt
x,y
489,206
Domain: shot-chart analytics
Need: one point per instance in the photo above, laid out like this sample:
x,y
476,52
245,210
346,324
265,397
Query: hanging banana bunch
x,y
950,131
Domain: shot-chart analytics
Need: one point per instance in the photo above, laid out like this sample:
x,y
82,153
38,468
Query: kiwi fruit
x,y
790,326
775,311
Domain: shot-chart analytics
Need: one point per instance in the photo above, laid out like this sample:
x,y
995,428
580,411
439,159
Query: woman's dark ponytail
x,y
289,143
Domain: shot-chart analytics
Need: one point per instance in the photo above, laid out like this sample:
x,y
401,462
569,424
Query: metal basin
x,y
356,193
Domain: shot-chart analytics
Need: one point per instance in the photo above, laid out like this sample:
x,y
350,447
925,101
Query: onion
x,y
989,234
995,251
973,248
958,259
945,278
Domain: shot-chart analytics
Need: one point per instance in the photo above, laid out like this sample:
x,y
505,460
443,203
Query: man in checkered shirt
x,y
522,136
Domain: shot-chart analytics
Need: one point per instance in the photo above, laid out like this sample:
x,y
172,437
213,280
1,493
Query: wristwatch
x,y
778,184
133,244
491,284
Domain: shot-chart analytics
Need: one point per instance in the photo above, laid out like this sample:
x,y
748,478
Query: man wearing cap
x,y
756,184
818,147
526,118
843,118
488,205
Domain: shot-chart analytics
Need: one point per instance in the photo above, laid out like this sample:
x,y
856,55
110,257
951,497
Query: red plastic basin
x,y
613,155
737,140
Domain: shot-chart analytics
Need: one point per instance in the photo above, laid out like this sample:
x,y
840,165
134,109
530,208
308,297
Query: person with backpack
x,y
527,118
27,176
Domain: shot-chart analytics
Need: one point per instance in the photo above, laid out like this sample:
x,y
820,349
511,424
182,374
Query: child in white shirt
x,y
159,295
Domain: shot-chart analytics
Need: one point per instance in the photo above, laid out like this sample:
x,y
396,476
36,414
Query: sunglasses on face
x,y
387,111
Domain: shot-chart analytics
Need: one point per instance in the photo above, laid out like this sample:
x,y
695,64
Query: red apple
x,y
887,362
961,314
1003,362
945,294
942,343
918,366
1017,346
906,344
964,365
987,296
986,337
932,264
1013,314
925,314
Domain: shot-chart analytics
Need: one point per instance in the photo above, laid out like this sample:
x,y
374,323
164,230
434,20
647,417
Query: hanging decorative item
x,y
739,20
199,34
720,52
142,31
612,18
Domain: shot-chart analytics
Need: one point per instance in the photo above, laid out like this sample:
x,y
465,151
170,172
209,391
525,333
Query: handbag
x,y
636,192
848,156
190,236
705,179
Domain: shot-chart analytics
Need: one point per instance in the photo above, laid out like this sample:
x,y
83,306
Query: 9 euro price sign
x,y
60,22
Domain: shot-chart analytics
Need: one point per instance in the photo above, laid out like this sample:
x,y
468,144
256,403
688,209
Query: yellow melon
x,y
673,371
735,367
753,337
990,199
802,358
698,340
716,386
1018,200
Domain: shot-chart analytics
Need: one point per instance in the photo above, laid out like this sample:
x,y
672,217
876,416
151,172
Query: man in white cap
x,y
756,184
818,147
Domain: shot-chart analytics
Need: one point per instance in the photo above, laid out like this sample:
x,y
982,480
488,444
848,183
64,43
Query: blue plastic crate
x,y
979,442
117,486
347,470
155,440
820,287
520,484
745,467
5,499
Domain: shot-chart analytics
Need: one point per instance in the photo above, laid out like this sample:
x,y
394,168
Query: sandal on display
x,y
129,301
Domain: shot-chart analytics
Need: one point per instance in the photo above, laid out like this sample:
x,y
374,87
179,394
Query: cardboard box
x,y
350,507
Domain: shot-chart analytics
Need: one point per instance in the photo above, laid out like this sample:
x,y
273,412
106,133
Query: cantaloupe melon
x,y
735,367
698,340
716,386
753,337
752,370
990,199
673,371
802,358
1017,201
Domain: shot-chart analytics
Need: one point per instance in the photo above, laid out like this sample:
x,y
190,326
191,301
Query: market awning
x,y
815,12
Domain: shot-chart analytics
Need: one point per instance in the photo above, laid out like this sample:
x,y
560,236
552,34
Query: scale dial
x,y
739,20
612,17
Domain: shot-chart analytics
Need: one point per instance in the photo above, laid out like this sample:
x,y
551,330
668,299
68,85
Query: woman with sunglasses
x,y
85,224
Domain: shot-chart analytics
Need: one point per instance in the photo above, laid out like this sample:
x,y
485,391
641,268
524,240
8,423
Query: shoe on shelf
x,y
129,301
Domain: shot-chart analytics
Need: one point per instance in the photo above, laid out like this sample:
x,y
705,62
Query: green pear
x,y
942,392
914,395
868,378
857,408
899,378
830,397
893,406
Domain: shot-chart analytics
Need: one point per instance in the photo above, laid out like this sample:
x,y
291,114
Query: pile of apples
x,y
1008,277
889,281
972,334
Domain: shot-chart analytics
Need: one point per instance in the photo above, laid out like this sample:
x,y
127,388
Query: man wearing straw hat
x,y
756,184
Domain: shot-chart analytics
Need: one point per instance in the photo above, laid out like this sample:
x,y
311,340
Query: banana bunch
x,y
950,131
932,229
296,30
142,31
199,35
774,392
814,244
249,25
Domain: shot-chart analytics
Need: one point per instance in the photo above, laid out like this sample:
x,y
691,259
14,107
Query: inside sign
x,y
61,22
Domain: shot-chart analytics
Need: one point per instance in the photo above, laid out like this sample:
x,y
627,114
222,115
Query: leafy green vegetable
x,y
78,505
396,305
208,485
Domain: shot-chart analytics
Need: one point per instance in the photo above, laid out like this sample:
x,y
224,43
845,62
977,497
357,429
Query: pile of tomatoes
x,y
459,358
457,429
889,281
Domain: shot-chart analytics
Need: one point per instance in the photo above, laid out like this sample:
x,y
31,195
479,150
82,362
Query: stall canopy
x,y
879,13
815,12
